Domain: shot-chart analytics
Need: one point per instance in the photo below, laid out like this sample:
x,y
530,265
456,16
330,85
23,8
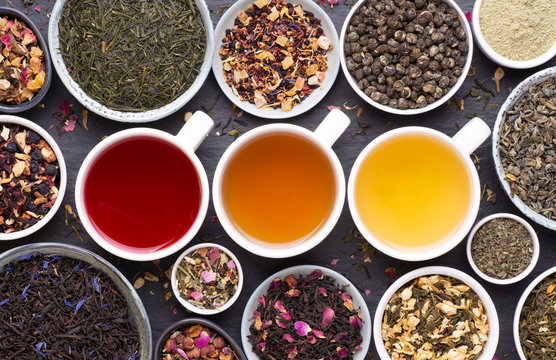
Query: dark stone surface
x,y
75,146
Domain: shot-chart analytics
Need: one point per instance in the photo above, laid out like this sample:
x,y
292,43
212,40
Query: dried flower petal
x,y
292,352
196,295
292,293
262,345
334,261
261,300
348,303
327,318
213,254
258,321
203,340
274,284
278,305
302,328
182,353
288,338
208,276
319,334
391,271
342,352
355,322
232,264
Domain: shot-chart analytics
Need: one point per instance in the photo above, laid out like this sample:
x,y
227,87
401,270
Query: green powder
x,y
519,29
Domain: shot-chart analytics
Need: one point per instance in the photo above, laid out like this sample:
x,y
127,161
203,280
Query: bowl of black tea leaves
x,y
59,301
524,147
503,248
131,61
306,312
534,324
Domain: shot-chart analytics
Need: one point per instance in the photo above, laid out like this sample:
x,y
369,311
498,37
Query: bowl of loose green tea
x,y
60,301
503,248
515,34
207,278
306,312
436,312
26,70
534,325
524,147
131,61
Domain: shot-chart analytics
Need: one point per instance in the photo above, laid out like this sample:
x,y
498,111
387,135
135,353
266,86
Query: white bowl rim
x,y
122,116
429,252
429,107
519,307
534,256
288,249
494,327
310,101
13,119
122,136
499,59
187,304
516,93
262,289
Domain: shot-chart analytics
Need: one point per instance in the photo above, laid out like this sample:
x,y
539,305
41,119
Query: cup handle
x,y
472,135
333,125
195,130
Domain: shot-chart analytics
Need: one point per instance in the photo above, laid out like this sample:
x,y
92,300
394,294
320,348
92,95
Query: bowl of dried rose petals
x,y
196,338
274,58
32,177
436,312
26,70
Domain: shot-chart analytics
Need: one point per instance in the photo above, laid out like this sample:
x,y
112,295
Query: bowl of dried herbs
x,y
207,278
26,70
524,147
436,312
131,61
503,248
534,325
33,177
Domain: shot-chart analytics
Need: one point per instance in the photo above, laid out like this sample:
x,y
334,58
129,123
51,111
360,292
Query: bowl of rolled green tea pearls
x,y
135,61
503,248
515,34
406,57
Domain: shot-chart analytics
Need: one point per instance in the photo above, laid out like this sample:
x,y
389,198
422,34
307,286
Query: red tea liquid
x,y
142,194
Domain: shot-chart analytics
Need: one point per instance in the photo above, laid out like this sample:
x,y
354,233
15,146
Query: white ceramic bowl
x,y
534,257
508,104
227,22
519,307
129,117
353,83
10,119
187,304
261,290
135,305
494,328
499,59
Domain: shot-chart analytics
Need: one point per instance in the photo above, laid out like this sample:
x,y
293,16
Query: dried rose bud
x,y
209,349
194,331
195,353
219,342
188,343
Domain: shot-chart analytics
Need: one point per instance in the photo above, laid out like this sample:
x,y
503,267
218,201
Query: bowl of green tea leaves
x,y
131,61
503,248
534,324
524,147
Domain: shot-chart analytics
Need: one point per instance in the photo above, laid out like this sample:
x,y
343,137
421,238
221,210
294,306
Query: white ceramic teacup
x,y
463,144
322,138
187,140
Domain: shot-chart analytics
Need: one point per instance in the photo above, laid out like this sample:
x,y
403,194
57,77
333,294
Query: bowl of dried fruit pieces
x,y
406,57
207,278
275,59
436,312
26,70
197,338
32,177
524,147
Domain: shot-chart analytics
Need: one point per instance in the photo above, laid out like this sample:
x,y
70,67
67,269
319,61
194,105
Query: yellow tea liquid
x,y
279,188
413,191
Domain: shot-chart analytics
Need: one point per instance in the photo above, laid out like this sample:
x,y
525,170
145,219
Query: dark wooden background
x,y
76,144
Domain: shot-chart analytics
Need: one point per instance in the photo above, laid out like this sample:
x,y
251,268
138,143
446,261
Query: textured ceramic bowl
x,y
519,307
136,309
11,119
499,59
129,117
227,22
261,290
353,83
37,98
494,328
194,321
534,256
189,306
508,104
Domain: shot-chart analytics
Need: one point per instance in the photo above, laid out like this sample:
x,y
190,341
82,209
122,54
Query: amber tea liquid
x,y
279,188
413,191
